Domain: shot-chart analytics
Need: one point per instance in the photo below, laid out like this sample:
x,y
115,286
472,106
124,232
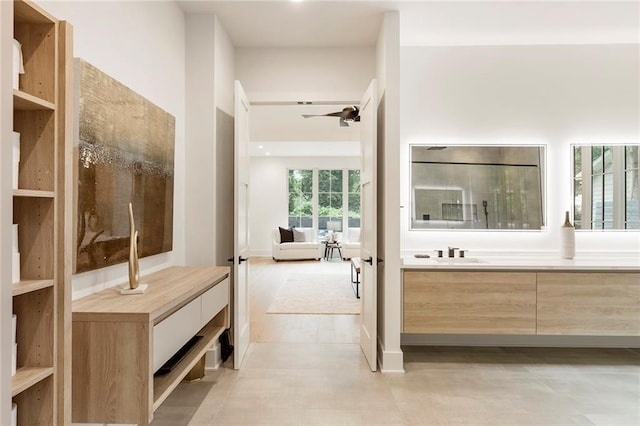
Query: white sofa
x,y
351,244
310,248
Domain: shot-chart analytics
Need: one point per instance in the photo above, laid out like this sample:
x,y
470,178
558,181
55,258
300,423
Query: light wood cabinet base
x,y
589,304
522,303
471,303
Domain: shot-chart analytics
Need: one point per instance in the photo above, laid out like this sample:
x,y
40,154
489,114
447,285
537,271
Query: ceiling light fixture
x,y
260,146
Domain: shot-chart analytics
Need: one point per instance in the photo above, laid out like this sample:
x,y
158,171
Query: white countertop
x,y
525,263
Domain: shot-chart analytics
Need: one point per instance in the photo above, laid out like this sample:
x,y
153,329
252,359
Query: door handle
x,y
370,260
240,259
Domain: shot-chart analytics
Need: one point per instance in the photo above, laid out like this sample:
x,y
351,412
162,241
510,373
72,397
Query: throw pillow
x,y
298,236
286,235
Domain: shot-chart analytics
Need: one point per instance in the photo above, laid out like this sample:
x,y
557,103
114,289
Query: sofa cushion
x,y
298,236
286,235
298,246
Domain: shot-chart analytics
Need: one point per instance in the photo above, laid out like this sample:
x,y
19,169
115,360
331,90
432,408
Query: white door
x,y
241,227
368,226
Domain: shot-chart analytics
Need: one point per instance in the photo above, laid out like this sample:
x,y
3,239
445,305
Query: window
x,y
327,200
353,193
330,199
632,191
577,187
301,198
605,187
602,187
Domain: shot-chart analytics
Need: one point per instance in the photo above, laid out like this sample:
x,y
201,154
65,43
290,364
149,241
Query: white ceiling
x,y
327,23
294,24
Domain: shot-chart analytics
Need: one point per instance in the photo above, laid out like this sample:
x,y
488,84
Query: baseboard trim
x,y
390,362
523,341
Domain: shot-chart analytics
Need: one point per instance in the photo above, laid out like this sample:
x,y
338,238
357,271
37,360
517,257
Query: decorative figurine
x,y
134,268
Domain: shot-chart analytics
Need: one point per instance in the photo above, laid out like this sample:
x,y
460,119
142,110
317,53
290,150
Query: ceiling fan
x,y
347,116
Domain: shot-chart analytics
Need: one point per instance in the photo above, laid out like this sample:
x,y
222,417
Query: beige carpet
x,y
316,294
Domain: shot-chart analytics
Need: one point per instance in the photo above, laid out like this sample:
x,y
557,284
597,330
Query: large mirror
x,y
606,193
477,187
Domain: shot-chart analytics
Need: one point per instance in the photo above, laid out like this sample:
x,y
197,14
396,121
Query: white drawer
x,y
174,331
213,300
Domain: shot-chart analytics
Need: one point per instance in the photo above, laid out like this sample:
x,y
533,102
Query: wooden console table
x,y
120,341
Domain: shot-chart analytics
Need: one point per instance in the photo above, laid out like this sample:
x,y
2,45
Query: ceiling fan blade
x,y
331,114
347,116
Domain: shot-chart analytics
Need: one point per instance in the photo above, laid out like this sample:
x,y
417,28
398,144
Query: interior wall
x,y
551,95
200,132
147,54
209,183
268,203
224,145
389,279
295,74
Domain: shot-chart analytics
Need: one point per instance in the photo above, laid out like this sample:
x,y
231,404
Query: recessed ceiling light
x,y
260,146
267,153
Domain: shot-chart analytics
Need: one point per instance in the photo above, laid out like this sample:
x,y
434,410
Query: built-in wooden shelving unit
x,y
41,298
25,102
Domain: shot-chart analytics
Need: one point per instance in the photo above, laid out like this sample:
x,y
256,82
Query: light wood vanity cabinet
x,y
521,303
469,302
597,304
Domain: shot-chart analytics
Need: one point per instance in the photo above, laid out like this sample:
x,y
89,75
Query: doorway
x,y
301,174
366,115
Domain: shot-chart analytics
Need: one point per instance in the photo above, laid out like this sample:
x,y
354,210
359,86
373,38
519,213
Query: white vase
x,y
567,239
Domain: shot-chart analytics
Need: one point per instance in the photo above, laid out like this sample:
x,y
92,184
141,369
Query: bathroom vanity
x,y
540,296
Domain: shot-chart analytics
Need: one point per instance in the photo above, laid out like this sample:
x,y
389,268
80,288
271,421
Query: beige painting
x,y
125,154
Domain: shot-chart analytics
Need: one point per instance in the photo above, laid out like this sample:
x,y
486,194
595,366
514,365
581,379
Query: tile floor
x,y
308,370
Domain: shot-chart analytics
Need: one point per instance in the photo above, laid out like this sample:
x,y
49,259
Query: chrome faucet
x,y
452,251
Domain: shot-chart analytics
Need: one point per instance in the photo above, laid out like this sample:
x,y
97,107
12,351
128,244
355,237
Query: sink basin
x,y
455,260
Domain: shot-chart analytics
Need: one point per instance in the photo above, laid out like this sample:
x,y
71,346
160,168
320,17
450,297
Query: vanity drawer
x,y
589,304
174,331
469,302
213,300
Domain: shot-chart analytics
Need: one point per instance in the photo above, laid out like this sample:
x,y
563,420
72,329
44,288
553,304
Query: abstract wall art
x,y
125,150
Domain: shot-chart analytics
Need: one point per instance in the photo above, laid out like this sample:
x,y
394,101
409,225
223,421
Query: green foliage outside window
x,y
330,197
300,192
